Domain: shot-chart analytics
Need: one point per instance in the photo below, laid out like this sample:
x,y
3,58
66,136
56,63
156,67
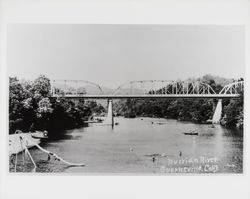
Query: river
x,y
143,146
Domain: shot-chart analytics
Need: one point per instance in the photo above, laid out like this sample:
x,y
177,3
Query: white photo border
x,y
189,12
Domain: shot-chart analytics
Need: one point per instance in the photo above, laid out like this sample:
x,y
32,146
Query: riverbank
x,y
238,125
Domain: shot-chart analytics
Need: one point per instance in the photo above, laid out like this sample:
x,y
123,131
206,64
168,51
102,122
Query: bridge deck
x,y
152,96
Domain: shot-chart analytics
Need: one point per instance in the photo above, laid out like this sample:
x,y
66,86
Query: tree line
x,y
195,110
32,108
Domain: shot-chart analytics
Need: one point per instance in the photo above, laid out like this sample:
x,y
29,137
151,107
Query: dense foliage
x,y
32,108
196,110
234,113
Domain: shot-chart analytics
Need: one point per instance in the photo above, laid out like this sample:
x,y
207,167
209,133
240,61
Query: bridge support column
x,y
217,113
110,118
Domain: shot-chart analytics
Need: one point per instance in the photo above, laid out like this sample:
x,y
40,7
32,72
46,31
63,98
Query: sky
x,y
110,55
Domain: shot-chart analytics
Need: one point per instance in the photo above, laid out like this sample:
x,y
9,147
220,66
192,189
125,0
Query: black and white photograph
x,y
126,99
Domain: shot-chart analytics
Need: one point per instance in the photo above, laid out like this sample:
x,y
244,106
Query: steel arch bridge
x,y
144,89
233,88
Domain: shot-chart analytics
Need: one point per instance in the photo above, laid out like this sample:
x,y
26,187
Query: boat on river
x,y
31,138
94,120
191,133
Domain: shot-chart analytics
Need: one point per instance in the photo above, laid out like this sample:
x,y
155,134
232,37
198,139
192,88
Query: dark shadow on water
x,y
207,135
62,135
232,132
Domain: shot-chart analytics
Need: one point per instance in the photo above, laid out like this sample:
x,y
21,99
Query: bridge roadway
x,y
146,96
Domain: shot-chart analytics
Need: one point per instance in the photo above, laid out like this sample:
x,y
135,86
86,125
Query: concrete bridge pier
x,y
110,117
217,113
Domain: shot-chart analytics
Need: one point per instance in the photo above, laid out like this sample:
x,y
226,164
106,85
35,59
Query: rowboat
x,y
39,134
191,133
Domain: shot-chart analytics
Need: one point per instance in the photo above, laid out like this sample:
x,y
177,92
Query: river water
x,y
143,145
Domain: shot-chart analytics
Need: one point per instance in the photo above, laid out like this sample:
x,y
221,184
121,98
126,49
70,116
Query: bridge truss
x,y
75,87
233,88
163,87
145,89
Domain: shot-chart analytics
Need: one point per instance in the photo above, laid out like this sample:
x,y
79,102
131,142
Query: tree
x,y
44,107
30,106
17,95
234,116
41,87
